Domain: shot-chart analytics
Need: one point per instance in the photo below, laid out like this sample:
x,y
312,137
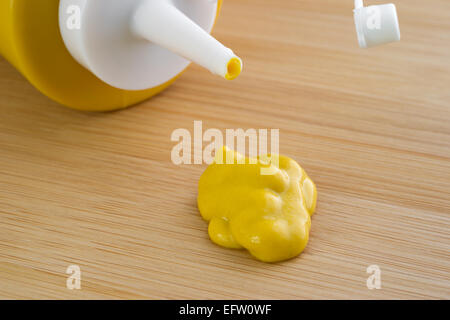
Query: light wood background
x,y
371,127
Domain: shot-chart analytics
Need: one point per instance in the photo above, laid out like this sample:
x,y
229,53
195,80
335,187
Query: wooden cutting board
x,y
371,128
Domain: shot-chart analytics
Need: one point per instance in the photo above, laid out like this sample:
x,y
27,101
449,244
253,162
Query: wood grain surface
x,y
371,128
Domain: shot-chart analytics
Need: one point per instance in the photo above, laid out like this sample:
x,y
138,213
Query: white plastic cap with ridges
x,y
140,44
376,25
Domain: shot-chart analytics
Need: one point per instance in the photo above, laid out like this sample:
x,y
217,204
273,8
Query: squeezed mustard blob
x,y
269,215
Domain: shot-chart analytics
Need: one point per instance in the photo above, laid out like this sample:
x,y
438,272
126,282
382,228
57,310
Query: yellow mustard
x,y
269,215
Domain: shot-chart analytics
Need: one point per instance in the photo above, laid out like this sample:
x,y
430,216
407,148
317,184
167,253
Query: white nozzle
x,y
162,23
359,4
376,25
141,44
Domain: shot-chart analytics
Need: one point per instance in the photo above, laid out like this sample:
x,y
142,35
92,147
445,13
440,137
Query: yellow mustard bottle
x,y
267,214
101,55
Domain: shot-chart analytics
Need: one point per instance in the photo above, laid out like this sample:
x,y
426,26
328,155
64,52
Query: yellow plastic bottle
x,y
31,39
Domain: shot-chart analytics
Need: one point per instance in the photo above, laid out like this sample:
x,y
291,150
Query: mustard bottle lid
x,y
376,25
140,44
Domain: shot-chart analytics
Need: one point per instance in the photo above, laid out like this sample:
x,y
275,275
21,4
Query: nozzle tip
x,y
234,68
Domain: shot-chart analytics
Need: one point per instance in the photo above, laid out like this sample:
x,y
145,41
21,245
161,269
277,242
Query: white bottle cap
x,y
141,44
376,25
